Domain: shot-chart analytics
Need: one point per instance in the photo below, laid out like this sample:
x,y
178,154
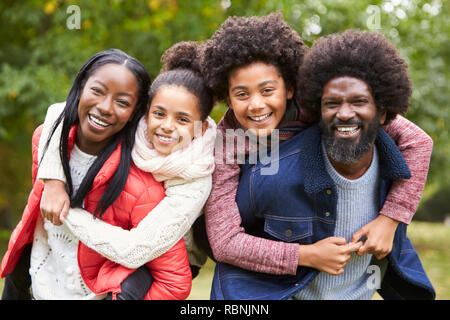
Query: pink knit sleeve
x,y
416,146
228,240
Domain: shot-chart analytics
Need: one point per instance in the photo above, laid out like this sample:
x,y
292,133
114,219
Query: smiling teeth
x,y
347,129
261,117
166,139
98,121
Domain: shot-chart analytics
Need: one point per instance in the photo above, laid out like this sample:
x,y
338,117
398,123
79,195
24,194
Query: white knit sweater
x,y
53,265
187,179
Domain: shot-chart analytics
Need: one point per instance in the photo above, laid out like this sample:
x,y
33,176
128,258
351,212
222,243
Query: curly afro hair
x,y
361,54
243,40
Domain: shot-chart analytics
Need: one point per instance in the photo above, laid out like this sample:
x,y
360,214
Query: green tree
x,y
42,49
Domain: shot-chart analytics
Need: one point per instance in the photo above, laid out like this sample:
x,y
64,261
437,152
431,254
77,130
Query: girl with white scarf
x,y
175,142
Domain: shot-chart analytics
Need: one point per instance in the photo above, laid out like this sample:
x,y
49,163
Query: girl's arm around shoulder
x,y
228,240
50,166
150,237
55,200
416,147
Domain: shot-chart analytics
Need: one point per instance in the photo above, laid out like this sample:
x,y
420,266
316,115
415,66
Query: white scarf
x,y
196,160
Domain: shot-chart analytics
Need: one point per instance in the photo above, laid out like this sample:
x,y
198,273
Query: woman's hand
x,y
380,236
55,202
329,255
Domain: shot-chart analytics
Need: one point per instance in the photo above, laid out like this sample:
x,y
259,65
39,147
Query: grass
x,y
201,285
430,239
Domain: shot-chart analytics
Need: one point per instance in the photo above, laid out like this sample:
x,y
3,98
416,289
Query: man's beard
x,y
346,150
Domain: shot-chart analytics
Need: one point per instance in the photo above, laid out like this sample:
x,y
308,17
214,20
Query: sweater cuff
x,y
397,212
292,252
51,171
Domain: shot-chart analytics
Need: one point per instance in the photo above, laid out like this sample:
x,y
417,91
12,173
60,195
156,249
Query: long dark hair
x,y
69,117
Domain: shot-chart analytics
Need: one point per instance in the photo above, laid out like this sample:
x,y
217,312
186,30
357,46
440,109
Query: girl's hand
x,y
329,255
380,236
55,202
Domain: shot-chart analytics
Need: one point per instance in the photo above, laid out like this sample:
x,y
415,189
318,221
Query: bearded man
x,y
332,181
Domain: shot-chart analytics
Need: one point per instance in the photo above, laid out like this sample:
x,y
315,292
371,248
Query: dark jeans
x,y
18,283
136,286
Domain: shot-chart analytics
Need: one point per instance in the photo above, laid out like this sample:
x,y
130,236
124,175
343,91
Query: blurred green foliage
x,y
40,54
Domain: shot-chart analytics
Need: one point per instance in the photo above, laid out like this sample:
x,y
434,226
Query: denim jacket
x,y
298,204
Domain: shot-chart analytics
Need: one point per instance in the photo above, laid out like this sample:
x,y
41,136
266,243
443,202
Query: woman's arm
x,y
155,234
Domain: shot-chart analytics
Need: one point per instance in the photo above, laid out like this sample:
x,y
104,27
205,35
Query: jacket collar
x,y
316,178
109,167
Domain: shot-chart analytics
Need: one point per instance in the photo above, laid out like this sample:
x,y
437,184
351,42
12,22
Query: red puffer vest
x,y
171,272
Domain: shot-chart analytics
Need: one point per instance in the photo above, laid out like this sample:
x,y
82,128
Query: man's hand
x,y
329,255
379,235
55,202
